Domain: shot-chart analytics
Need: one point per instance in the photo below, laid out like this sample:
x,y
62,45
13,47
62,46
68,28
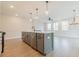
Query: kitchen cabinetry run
x,y
33,40
42,42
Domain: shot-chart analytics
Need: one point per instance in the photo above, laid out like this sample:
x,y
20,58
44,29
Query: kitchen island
x,y
41,42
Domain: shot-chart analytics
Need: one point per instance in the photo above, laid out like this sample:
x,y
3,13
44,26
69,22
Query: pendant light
x,y
74,11
30,17
36,16
74,18
46,11
31,20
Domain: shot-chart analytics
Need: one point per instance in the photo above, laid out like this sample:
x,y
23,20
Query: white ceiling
x,y
21,7
57,9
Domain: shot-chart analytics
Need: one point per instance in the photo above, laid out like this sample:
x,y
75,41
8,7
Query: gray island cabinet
x,y
41,42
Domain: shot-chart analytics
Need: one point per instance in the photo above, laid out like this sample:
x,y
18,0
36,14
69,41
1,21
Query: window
x,y
49,26
65,25
55,26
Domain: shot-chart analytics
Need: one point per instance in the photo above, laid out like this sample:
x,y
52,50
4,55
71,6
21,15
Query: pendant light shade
x,y
46,11
74,22
36,17
30,17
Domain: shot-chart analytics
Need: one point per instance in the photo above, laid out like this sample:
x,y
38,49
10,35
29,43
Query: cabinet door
x,y
23,36
40,42
29,38
33,40
48,42
26,37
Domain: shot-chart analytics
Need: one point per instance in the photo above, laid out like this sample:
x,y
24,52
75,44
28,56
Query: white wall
x,y
62,11
72,32
13,26
0,23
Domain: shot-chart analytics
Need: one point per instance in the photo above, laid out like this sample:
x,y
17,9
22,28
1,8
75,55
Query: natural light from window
x,y
65,25
49,26
55,26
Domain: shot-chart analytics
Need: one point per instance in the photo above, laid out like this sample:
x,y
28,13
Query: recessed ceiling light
x,y
36,17
30,20
11,6
16,14
46,12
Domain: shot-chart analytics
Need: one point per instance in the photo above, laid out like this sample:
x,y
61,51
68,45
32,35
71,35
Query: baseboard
x,y
19,38
63,36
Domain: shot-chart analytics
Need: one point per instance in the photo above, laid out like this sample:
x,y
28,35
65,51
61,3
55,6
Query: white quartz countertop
x,y
38,32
